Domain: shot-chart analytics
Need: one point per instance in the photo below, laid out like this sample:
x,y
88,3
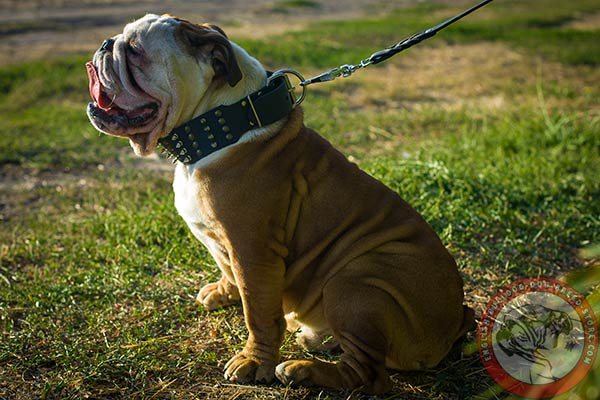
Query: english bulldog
x,y
304,239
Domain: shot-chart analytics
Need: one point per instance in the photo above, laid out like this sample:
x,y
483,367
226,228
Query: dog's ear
x,y
210,42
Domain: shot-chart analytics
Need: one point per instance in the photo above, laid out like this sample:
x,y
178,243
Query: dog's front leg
x,y
260,287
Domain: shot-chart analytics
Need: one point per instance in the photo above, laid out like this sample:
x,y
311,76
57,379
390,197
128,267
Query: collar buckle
x,y
291,89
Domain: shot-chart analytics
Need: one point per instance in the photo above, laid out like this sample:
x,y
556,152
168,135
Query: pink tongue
x,y
96,88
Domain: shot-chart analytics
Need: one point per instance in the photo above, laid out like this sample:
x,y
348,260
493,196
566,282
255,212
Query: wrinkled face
x,y
151,78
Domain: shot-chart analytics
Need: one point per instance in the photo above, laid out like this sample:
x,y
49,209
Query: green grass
x,y
286,6
539,27
512,195
98,273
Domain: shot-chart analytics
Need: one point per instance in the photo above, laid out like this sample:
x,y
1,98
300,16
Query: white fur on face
x,y
161,69
147,65
170,74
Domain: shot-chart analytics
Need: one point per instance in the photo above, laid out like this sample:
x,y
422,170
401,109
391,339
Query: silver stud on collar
x,y
190,142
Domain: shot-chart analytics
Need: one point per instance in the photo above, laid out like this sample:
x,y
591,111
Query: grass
x,y
532,26
490,131
286,6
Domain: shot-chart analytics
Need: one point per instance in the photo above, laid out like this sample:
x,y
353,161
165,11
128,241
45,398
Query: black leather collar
x,y
224,125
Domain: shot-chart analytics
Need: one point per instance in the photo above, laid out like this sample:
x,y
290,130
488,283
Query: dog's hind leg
x,y
360,336
385,310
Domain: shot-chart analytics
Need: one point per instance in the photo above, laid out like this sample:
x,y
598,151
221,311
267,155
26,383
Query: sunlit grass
x,y
98,273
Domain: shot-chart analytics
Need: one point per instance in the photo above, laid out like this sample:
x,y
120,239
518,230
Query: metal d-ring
x,y
284,72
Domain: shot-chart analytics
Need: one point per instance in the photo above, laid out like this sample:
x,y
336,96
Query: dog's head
x,y
157,74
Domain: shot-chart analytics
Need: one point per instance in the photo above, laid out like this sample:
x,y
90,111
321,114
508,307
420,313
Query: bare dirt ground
x,y
34,29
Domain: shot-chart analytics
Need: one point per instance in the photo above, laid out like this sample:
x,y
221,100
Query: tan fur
x,y
305,239
306,234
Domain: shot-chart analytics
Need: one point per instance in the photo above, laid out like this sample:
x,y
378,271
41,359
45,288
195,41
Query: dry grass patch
x,y
586,22
489,77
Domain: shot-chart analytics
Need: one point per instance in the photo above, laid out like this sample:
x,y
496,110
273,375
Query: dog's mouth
x,y
123,118
111,118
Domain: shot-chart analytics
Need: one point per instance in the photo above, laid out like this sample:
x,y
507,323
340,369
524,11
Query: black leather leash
x,y
348,69
224,125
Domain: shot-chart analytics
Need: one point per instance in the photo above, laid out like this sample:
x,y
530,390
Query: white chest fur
x,y
188,205
186,196
187,193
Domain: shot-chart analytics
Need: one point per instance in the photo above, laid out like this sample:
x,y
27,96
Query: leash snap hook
x,y
292,89
347,69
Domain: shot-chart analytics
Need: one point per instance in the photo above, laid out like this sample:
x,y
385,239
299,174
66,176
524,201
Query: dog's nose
x,y
107,45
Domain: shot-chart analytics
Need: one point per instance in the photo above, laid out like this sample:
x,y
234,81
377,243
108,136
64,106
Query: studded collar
x,y
224,125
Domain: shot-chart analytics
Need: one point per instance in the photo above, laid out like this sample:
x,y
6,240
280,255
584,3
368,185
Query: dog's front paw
x,y
218,294
243,369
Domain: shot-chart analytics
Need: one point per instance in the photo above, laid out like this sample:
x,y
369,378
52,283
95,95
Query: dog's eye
x,y
132,50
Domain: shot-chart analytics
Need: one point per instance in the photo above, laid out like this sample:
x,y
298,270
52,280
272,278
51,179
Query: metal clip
x,y
324,77
343,71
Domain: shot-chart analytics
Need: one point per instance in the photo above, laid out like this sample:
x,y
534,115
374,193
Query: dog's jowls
x,y
303,238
